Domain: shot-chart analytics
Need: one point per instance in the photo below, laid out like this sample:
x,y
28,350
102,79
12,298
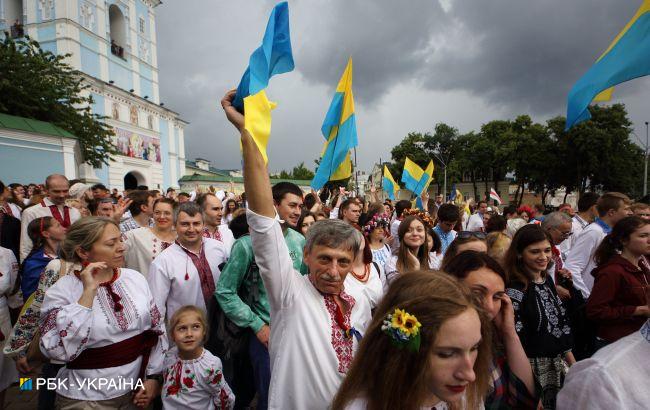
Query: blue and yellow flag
x,y
340,132
628,57
272,57
415,179
389,185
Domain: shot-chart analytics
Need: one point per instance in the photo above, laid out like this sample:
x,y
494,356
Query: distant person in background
x,y
586,214
448,216
100,191
475,222
230,207
641,210
183,197
46,234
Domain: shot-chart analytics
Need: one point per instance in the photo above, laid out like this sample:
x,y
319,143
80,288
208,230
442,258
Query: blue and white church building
x,y
113,43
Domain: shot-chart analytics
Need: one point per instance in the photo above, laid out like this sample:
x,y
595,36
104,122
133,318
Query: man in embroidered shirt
x,y
141,210
241,276
312,338
586,214
53,205
186,273
212,209
448,216
612,207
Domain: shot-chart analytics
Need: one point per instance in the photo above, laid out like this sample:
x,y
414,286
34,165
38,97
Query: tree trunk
x,y
474,185
516,194
566,193
521,197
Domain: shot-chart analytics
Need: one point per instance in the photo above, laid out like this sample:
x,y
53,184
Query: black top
x,y
541,321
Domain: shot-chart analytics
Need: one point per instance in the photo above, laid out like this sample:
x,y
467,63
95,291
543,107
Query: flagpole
x,y
356,180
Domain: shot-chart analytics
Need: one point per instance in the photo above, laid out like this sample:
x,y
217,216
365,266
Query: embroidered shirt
x,y
67,329
303,326
175,281
445,237
195,384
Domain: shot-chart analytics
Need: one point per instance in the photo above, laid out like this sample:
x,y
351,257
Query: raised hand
x,y
505,319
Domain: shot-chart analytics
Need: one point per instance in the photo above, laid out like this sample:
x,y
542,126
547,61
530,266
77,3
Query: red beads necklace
x,y
366,274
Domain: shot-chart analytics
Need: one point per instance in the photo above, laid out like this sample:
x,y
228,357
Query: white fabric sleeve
x,y
334,213
578,259
160,285
272,258
65,324
588,386
157,355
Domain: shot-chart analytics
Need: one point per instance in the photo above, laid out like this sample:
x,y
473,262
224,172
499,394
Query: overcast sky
x,y
416,63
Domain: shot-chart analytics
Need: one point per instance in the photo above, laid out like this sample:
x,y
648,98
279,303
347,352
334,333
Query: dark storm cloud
x,y
465,63
525,54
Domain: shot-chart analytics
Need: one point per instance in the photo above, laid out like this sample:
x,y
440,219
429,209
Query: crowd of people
x,y
284,300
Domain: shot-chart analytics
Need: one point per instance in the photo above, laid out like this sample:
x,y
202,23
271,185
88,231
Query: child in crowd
x,y
192,375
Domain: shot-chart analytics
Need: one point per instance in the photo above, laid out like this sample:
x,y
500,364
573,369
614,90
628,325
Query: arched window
x,y
118,27
13,12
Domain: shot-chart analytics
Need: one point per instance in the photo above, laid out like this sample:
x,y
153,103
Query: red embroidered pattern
x,y
341,344
127,315
50,321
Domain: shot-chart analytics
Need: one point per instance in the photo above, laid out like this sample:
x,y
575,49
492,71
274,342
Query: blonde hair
x,y
82,235
176,317
497,244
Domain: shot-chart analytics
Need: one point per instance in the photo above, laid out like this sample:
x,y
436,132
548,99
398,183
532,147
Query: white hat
x,y
78,190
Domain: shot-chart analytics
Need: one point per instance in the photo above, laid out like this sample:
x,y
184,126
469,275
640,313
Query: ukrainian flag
x,y
415,179
390,186
340,132
274,56
628,57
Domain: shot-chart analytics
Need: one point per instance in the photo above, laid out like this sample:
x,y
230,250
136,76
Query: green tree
x,y
413,146
39,84
302,172
442,144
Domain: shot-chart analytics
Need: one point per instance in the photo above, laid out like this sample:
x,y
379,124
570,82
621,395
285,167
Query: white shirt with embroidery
x,y
67,329
38,211
142,247
174,280
195,384
310,355
8,275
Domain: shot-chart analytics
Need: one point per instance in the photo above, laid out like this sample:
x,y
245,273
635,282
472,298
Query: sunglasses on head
x,y
469,234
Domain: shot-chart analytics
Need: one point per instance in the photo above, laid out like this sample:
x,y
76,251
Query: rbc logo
x,y
25,383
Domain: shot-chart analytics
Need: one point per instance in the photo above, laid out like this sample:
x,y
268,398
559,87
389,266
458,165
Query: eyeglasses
x,y
469,234
564,234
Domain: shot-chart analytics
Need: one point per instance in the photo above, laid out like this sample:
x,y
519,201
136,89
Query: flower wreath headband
x,y
403,329
420,214
377,221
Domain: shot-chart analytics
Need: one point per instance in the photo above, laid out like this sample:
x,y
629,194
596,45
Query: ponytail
x,y
612,244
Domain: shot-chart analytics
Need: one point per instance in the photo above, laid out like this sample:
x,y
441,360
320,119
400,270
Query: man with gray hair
x,y
186,273
314,322
559,225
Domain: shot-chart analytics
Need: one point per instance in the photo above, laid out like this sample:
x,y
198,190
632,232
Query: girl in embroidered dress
x,y
412,254
540,318
145,243
446,369
46,234
103,323
193,377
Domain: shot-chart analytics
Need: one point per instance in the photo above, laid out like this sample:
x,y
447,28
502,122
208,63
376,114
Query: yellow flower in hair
x,y
398,318
411,326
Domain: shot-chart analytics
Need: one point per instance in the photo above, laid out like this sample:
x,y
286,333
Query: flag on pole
x,y
626,58
495,196
274,56
340,132
415,179
390,186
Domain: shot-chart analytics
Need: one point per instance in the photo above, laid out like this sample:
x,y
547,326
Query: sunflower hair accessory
x,y
403,329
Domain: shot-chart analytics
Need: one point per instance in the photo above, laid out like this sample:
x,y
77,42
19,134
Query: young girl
x,y
540,318
617,304
192,376
376,232
412,253
427,347
47,234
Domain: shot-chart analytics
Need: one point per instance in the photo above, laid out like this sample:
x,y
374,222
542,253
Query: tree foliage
x,y
300,171
38,84
595,155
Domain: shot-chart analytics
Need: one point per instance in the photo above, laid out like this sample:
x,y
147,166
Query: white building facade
x,y
113,43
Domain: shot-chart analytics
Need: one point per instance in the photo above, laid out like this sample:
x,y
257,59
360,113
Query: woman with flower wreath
x,y
193,377
378,236
102,322
428,346
412,253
